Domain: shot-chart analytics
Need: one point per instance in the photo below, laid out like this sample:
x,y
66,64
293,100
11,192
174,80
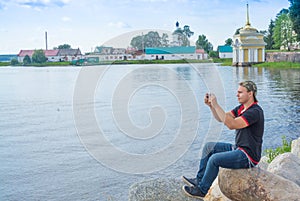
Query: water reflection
x,y
184,73
247,72
287,80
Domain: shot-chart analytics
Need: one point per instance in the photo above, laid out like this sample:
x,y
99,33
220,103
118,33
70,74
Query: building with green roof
x,y
225,51
174,53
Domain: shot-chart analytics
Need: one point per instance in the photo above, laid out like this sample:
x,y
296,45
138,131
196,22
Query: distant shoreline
x,y
117,62
222,62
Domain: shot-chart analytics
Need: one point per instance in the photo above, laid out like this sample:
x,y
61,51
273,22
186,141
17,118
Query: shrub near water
x,y
272,153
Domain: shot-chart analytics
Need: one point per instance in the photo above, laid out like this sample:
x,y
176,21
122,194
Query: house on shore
x,y
103,53
69,54
225,51
174,53
50,54
149,53
53,55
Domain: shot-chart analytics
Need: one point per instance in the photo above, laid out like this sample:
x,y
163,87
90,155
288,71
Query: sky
x,y
86,24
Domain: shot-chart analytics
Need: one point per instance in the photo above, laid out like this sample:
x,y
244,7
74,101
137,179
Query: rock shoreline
x,y
277,181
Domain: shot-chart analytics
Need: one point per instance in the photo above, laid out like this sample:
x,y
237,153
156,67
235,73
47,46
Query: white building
x,y
225,51
174,53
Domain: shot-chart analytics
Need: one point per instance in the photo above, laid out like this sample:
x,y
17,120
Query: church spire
x,y
248,22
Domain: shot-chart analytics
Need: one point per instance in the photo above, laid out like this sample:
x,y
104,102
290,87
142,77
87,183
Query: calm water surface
x,y
42,157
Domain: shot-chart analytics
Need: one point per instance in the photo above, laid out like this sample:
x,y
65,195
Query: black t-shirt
x,y
250,138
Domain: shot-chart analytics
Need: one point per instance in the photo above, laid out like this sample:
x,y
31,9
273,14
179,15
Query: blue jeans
x,y
215,155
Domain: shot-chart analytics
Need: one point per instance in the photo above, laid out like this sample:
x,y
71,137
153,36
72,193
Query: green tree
x,y
238,31
264,33
202,43
164,40
14,62
26,60
151,39
282,11
269,37
295,16
187,32
214,54
283,31
64,46
181,38
39,56
228,42
137,42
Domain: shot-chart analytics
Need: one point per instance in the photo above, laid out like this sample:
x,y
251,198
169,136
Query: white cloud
x,y
39,3
66,19
119,24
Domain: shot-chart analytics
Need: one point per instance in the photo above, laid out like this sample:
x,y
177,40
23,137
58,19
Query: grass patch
x,y
282,64
285,147
120,62
64,63
224,61
282,51
4,63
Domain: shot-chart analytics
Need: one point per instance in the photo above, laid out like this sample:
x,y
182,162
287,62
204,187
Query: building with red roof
x,y
53,55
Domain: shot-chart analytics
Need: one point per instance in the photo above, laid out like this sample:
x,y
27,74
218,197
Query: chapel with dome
x,y
248,45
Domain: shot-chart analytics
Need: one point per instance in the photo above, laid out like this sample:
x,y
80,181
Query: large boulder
x,y
263,163
215,194
286,165
256,184
296,147
161,189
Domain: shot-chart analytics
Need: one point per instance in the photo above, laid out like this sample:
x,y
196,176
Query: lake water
x,y
72,133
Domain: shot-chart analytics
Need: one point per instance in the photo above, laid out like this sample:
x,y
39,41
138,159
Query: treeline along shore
x,y
276,60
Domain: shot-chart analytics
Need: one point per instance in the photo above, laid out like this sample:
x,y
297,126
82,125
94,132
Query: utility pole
x,y
46,40
143,43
